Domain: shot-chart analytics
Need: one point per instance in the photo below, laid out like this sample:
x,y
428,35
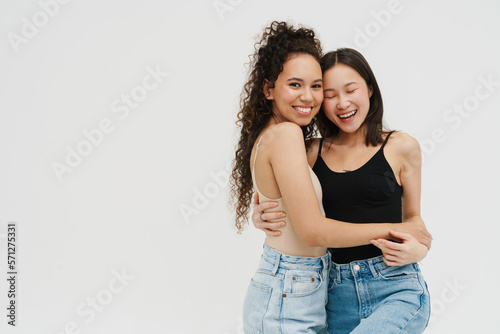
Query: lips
x,y
303,110
348,115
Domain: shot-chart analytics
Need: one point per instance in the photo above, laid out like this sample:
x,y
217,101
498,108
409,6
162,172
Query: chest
x,y
364,177
341,159
374,182
344,160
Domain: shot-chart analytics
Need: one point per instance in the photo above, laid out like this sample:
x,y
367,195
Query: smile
x,y
303,110
348,115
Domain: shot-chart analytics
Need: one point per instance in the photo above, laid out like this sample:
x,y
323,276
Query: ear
x,y
268,90
370,92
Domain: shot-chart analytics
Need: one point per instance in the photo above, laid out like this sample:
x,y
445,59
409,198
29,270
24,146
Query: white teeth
x,y
303,109
344,116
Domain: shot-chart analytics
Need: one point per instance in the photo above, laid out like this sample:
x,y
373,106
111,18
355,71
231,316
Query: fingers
x,y
390,263
262,222
269,222
267,205
387,246
406,237
272,233
269,216
392,257
401,235
396,254
269,228
272,226
392,251
261,208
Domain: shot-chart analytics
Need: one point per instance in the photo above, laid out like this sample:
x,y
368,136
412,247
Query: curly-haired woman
x,y
288,292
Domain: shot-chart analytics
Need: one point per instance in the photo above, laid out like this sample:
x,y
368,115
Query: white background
x,y
120,208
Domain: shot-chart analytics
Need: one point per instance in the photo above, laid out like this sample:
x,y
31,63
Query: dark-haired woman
x,y
284,92
367,176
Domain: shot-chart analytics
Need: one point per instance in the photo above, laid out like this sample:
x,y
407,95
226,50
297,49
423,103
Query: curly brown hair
x,y
279,41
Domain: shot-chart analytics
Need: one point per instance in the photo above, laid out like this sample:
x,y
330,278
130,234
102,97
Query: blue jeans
x,y
367,296
287,295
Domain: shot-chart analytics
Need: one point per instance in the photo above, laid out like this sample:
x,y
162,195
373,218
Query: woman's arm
x,y
409,250
288,160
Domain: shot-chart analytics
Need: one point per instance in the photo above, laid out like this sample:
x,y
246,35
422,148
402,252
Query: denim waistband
x,y
294,262
372,266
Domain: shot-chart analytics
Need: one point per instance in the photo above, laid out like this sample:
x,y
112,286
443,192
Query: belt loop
x,y
372,269
338,272
276,263
326,267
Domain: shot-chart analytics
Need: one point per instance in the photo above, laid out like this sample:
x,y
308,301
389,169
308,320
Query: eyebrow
x,y
299,79
347,84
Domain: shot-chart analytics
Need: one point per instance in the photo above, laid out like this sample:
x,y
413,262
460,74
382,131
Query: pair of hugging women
x,y
341,213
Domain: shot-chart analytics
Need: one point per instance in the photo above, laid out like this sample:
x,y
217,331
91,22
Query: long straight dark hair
x,y
356,61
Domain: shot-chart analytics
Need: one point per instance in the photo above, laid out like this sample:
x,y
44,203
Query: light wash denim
x,y
287,295
367,296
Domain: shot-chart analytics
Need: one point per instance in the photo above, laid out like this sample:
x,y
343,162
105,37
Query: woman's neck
x,y
350,139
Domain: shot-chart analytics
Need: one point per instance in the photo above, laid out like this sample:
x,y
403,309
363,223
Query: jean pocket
x,y
255,306
398,272
300,283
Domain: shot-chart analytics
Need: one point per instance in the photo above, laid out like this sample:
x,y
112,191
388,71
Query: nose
x,y
343,102
306,95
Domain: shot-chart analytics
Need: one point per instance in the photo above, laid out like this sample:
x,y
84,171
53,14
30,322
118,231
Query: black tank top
x,y
369,194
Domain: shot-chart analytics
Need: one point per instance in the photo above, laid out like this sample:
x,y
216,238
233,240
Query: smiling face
x,y
298,92
346,97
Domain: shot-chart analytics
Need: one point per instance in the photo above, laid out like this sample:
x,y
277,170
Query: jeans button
x,y
355,267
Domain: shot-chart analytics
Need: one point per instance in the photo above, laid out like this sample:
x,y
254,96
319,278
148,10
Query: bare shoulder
x,y
406,150
286,129
282,133
403,143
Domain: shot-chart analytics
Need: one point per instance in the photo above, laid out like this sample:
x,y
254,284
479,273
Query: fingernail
x,y
283,215
282,224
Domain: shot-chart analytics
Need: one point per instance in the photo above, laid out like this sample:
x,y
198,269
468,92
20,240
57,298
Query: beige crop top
x,y
289,242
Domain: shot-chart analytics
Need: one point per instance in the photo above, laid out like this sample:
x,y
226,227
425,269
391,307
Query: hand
x,y
399,254
260,219
417,229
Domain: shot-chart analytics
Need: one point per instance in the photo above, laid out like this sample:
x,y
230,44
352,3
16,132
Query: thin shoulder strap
x,y
320,145
256,151
387,138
